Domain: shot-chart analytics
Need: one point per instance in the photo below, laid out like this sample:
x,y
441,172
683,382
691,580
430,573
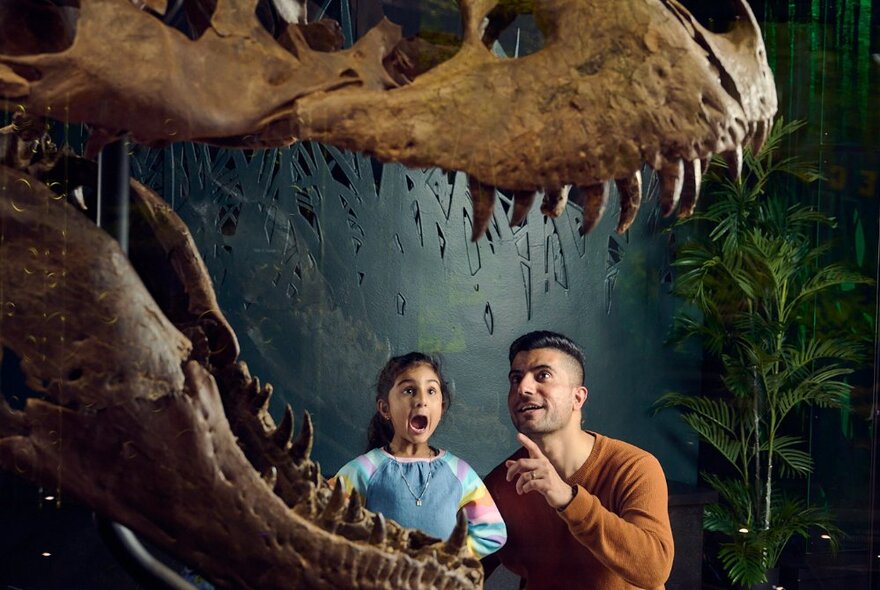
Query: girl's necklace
x,y
418,498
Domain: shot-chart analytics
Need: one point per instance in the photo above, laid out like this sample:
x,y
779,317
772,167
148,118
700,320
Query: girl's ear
x,y
383,409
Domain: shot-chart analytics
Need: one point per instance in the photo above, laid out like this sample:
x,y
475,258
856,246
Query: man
x,y
583,511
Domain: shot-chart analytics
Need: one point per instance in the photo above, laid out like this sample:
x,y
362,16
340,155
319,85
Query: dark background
x,y
326,262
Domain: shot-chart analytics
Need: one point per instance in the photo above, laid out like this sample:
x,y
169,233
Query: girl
x,y
403,476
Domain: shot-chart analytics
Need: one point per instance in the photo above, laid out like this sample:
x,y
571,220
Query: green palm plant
x,y
753,281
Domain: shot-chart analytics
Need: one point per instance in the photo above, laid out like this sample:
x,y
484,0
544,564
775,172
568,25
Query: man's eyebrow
x,y
514,372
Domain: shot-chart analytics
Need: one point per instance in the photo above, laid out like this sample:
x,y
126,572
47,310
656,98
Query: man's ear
x,y
580,397
382,408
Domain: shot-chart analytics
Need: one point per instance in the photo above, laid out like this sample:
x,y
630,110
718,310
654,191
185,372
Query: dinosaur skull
x,y
617,84
142,411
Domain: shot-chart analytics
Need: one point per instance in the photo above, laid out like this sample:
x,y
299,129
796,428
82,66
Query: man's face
x,y
545,394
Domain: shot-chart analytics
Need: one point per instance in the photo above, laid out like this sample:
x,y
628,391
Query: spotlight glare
x,y
49,498
46,554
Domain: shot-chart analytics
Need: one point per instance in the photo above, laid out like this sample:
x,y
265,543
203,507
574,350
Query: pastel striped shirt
x,y
427,494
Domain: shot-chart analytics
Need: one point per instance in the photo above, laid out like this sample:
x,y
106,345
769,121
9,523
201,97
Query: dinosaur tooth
x,y
629,192
554,201
483,202
380,529
314,474
308,508
594,199
762,130
335,504
261,396
458,539
690,191
354,512
734,160
301,449
671,176
522,204
270,476
281,436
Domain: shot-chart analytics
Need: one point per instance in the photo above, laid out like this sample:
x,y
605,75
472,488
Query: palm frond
x,y
832,275
826,394
744,560
793,460
711,419
735,504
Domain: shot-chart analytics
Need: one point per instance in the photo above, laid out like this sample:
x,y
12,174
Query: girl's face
x,y
414,406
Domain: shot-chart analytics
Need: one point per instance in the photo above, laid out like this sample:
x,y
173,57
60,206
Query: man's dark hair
x,y
547,339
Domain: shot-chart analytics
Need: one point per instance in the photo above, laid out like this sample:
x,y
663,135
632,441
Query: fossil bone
x,y
648,84
156,424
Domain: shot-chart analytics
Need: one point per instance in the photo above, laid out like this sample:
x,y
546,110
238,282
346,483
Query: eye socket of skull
x,y
29,27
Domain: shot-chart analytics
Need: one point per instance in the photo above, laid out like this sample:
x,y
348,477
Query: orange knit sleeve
x,y
635,539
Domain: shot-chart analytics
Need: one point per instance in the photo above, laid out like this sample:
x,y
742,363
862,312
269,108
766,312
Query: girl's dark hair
x,y
380,432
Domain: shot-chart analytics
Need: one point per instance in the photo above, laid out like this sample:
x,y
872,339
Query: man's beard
x,y
550,422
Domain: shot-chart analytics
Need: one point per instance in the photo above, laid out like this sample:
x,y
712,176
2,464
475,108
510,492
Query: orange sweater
x,y
614,535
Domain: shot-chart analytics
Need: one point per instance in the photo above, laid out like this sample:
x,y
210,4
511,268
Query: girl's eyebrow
x,y
409,380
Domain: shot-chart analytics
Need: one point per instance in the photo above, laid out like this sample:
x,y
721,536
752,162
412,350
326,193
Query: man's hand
x,y
537,474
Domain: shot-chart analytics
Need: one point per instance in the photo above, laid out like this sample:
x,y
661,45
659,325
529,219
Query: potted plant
x,y
752,281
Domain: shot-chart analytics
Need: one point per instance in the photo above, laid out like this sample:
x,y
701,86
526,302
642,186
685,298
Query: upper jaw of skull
x,y
650,85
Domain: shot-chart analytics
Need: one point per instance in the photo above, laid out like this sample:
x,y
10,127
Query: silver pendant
x,y
418,501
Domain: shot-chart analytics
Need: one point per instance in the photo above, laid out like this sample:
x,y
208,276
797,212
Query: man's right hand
x,y
537,474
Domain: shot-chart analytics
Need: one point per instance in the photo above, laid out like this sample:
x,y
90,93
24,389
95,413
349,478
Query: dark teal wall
x,y
326,263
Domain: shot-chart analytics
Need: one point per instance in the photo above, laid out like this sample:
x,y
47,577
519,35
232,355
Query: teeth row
x,y
680,182
389,571
312,498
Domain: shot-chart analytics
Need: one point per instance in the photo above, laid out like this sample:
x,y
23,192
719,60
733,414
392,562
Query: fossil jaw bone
x,y
171,439
648,84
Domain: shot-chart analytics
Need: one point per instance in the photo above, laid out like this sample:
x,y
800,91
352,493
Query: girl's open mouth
x,y
418,423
